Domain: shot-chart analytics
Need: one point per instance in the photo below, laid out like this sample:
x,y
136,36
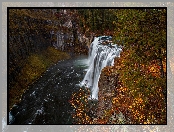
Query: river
x,y
46,101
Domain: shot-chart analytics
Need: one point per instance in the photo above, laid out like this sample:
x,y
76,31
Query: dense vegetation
x,y
140,94
97,20
143,65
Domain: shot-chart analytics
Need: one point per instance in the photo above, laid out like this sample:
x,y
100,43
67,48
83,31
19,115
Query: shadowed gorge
x,y
87,66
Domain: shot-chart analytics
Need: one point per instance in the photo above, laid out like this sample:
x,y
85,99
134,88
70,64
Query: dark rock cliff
x,y
107,90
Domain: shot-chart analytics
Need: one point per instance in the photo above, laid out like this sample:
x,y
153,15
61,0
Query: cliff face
x,y
34,30
28,33
33,37
107,90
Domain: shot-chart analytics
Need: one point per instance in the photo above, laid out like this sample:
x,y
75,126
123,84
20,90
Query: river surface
x,y
46,101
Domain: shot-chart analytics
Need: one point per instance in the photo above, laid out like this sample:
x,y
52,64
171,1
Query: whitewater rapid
x,y
100,56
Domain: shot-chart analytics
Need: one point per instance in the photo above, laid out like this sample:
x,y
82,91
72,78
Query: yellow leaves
x,y
123,89
139,100
114,22
80,103
116,102
164,65
145,122
152,116
133,104
87,118
144,100
130,107
108,70
154,69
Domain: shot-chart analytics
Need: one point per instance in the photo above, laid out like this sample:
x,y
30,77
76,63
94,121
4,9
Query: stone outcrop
x,y
107,90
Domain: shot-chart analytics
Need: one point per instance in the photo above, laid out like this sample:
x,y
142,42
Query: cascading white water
x,y
100,56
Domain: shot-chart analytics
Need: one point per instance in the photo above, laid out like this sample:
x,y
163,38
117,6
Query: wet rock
x,y
107,84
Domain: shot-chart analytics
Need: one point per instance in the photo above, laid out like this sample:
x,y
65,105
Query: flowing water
x,y
100,56
46,101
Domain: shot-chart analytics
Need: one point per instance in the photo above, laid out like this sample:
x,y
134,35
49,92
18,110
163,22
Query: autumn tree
x,y
97,20
142,32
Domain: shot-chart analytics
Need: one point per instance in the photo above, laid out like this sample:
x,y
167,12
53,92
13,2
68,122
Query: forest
x,y
132,91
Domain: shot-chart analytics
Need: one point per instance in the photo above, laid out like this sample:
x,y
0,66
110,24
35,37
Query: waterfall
x,y
101,54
